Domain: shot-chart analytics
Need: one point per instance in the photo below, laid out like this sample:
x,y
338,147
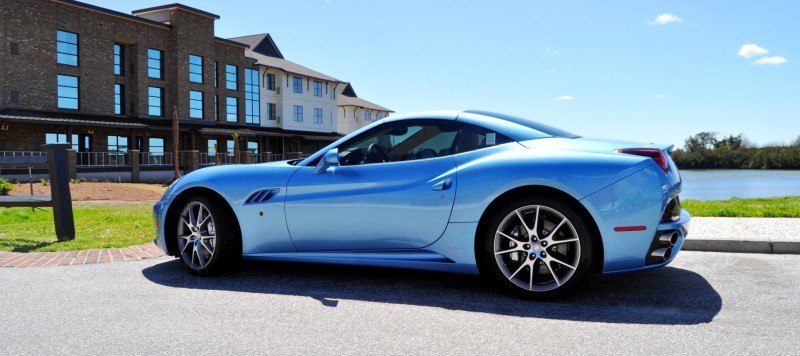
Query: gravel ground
x,y
705,303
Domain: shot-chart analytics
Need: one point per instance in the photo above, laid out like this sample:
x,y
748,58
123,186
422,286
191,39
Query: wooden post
x,y
58,164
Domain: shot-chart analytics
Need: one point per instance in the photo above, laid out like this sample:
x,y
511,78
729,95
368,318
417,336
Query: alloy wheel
x,y
197,236
537,248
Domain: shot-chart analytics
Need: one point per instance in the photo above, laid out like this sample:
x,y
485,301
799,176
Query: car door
x,y
394,189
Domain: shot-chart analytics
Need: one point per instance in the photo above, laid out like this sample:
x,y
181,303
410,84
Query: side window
x,y
400,141
475,137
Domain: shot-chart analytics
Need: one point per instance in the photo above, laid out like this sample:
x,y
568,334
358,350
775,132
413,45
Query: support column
x,y
133,159
72,157
192,160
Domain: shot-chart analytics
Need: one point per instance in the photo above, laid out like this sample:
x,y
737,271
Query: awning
x,y
57,120
219,131
322,138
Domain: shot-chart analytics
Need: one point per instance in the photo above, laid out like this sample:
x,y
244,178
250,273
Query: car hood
x,y
588,145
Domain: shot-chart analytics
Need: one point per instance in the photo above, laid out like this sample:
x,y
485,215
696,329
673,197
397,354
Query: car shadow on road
x,y
664,296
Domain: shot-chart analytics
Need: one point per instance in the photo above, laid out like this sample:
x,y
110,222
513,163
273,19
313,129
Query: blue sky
x,y
654,71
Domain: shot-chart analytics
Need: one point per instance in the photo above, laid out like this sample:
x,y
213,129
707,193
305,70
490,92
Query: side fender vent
x,y
261,196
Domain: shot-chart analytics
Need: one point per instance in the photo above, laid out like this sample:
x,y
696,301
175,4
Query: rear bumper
x,y
681,226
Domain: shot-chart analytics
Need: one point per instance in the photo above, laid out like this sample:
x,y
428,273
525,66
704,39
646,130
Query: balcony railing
x,y
102,159
22,153
155,159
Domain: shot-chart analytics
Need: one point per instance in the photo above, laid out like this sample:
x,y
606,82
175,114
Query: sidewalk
x,y
751,235
64,258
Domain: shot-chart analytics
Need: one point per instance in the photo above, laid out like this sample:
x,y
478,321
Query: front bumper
x,y
160,216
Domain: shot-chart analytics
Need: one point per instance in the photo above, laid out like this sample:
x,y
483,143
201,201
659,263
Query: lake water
x,y
725,184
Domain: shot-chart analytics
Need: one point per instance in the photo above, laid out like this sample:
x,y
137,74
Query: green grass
x,y
782,207
23,230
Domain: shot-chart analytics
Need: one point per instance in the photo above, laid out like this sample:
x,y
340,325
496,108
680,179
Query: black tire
x,y
227,250
557,249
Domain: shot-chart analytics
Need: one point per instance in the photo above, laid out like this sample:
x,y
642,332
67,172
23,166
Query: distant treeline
x,y
705,151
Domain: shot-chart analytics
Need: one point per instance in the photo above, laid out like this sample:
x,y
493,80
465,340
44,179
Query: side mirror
x,y
330,159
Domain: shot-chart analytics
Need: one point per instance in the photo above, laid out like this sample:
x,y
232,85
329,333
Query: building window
x,y
156,146
229,147
253,148
231,72
55,138
118,144
216,74
119,59
195,104
67,92
195,69
297,84
231,109
211,148
317,88
155,101
298,113
154,63
365,113
270,81
67,48
252,97
119,99
216,107
317,115
273,111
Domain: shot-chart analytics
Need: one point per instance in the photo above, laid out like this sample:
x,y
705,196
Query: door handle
x,y
443,185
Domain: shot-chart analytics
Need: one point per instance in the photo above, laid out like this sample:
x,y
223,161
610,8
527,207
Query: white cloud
x,y
659,96
564,98
751,50
665,19
551,51
774,60
551,70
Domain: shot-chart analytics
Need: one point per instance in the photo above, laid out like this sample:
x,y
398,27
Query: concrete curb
x,y
742,246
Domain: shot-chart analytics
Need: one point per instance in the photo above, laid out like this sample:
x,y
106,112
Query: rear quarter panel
x,y
484,175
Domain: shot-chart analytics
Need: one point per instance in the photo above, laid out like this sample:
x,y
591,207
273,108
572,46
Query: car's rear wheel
x,y
206,237
538,248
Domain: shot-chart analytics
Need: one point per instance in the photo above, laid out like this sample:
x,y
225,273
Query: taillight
x,y
653,153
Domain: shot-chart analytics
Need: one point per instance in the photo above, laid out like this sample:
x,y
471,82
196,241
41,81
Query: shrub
x,y
5,186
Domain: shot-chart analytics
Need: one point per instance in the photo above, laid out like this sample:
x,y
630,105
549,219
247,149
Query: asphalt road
x,y
706,303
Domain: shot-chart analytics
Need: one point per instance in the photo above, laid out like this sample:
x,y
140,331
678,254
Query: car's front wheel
x,y
206,237
538,248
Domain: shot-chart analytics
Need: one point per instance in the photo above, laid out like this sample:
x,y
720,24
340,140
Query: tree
x,y
733,143
701,142
235,136
175,138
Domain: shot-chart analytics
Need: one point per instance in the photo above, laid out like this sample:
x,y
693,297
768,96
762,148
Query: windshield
x,y
545,129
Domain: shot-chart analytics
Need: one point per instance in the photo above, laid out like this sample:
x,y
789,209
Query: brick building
x,y
109,82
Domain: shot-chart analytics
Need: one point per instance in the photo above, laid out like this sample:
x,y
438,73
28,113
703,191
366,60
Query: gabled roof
x,y
344,100
348,91
347,97
261,43
263,49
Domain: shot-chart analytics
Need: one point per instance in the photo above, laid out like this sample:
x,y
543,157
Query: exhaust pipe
x,y
662,254
669,239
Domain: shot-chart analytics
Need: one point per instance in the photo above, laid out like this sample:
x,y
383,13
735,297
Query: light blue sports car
x,y
531,207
